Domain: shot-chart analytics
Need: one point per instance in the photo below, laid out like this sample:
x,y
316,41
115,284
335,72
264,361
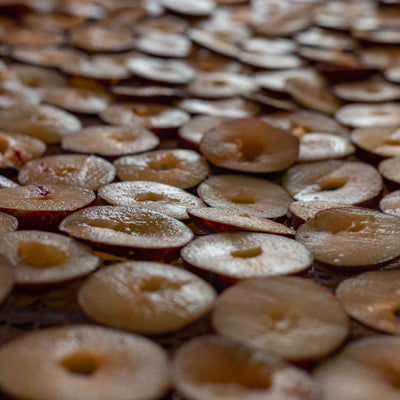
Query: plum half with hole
x,y
219,85
225,258
43,206
89,172
17,149
301,211
351,238
336,181
156,196
214,220
366,369
129,231
43,122
359,115
219,368
164,44
375,144
292,317
145,297
250,145
367,91
158,118
389,169
182,168
81,362
75,99
49,57
100,39
102,68
390,203
309,95
236,107
373,298
323,146
245,194
172,72
191,133
110,141
43,258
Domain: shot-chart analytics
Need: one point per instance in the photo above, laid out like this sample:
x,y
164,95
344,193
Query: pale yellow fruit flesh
x,y
44,258
40,254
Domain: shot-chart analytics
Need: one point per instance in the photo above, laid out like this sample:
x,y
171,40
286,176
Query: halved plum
x,y
51,57
145,297
110,141
191,133
177,167
216,220
374,144
76,100
300,211
68,169
389,169
246,194
172,72
390,203
219,85
309,95
43,206
292,317
156,196
250,145
81,361
44,258
101,39
47,123
164,44
358,115
17,149
158,118
219,368
323,146
336,181
225,258
366,369
373,298
8,223
351,237
129,231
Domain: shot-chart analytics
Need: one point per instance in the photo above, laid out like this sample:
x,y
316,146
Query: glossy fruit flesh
x,y
145,297
351,237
